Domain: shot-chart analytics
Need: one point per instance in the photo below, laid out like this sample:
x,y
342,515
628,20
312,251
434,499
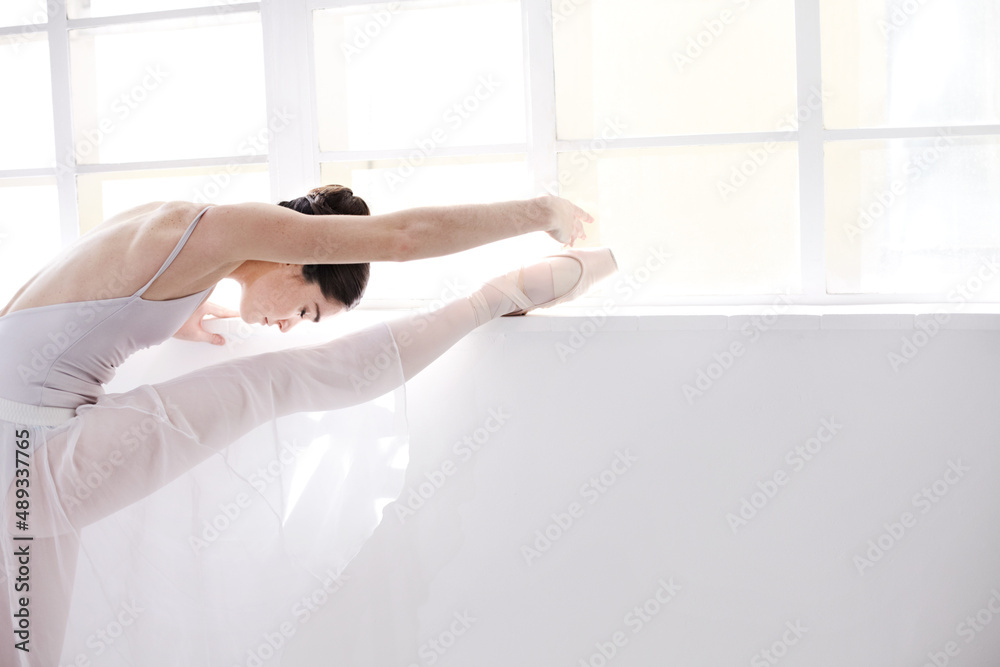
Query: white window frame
x,y
294,156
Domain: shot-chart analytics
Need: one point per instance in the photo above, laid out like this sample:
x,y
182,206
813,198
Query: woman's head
x,y
284,294
342,283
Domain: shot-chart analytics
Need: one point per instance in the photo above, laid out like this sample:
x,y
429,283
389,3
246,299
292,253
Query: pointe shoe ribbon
x,y
596,264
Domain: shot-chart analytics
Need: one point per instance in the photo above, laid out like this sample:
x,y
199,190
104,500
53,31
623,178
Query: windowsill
x,y
897,316
699,318
652,318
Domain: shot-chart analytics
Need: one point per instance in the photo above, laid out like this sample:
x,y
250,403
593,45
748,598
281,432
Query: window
x,y
137,97
132,119
423,103
80,9
103,194
26,127
833,151
29,228
22,13
913,168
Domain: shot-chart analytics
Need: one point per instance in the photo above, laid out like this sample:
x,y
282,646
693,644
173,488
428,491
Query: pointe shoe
x,y
596,264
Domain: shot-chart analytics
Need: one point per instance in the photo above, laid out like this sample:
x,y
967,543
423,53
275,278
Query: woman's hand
x,y
565,219
192,329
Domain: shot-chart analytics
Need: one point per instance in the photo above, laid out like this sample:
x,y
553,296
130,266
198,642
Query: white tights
x,y
186,420
199,413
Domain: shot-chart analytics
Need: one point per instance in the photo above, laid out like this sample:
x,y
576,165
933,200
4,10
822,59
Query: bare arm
x,y
277,234
443,230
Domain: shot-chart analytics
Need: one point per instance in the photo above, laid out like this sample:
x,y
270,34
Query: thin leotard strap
x,y
177,249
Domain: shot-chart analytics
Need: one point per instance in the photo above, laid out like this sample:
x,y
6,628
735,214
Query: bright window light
x,y
688,127
104,195
29,230
401,75
137,96
26,126
679,67
22,12
902,64
80,9
913,215
743,241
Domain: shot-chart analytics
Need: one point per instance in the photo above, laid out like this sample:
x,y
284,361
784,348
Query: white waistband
x,y
33,415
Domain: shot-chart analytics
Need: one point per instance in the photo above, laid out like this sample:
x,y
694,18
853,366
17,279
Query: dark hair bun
x,y
302,205
329,200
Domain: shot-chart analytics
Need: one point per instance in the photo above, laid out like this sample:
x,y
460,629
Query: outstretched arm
x,y
435,231
273,233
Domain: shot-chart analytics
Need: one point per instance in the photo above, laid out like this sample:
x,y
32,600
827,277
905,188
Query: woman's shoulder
x,y
200,264
154,229
160,216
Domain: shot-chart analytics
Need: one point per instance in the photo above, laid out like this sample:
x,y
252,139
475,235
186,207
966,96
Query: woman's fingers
x,y
218,312
214,339
581,214
194,331
569,221
199,335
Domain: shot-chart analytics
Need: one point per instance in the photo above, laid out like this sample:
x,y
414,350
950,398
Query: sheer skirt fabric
x,y
202,520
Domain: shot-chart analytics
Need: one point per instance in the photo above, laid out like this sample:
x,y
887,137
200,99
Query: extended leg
x,y
187,419
423,338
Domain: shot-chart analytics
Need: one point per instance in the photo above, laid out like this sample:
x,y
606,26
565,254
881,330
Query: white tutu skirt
x,y
134,536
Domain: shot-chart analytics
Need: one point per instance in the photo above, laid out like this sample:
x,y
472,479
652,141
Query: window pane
x,y
26,130
138,96
29,231
725,234
895,63
22,12
104,195
442,182
678,67
80,9
913,215
432,74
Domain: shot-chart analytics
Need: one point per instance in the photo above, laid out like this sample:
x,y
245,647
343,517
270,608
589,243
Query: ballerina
x,y
65,331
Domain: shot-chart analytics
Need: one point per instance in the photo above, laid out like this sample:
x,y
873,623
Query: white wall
x,y
663,520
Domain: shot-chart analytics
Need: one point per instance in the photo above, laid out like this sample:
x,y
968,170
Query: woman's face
x,y
280,296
